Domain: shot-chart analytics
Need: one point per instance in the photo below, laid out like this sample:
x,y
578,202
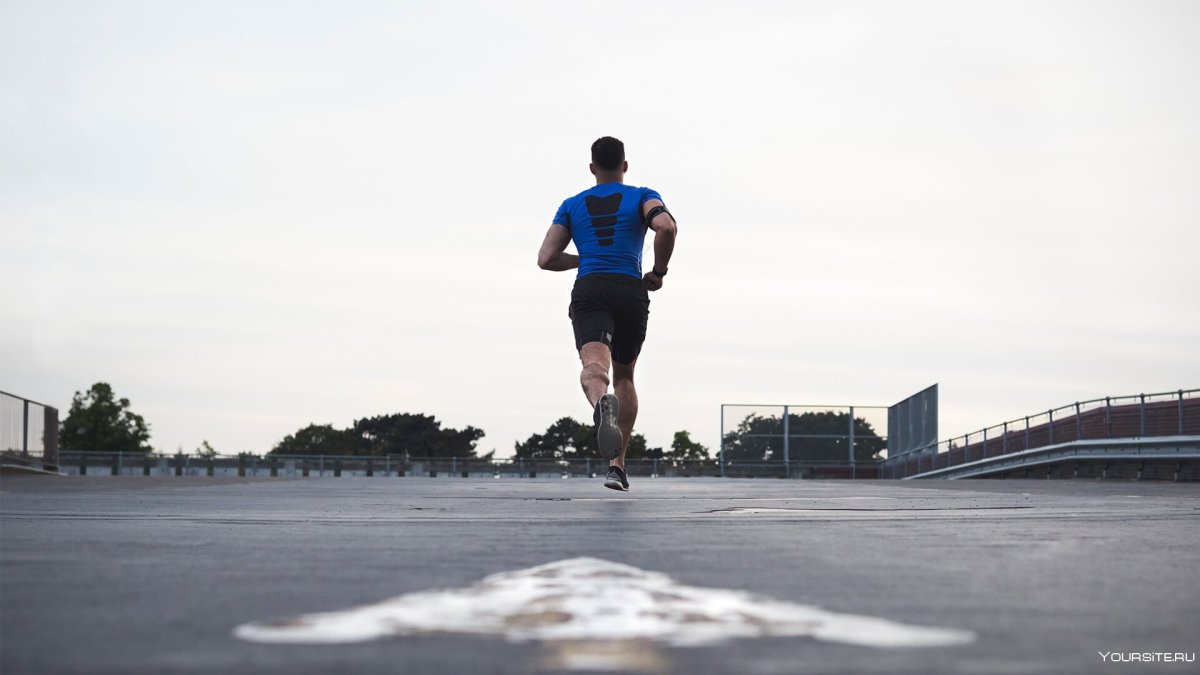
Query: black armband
x,y
654,211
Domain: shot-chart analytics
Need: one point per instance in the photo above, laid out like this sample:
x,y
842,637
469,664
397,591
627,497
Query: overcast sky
x,y
250,216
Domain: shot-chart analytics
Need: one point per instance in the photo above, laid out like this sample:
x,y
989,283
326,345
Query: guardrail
x,y
28,433
88,463
1169,458
1137,416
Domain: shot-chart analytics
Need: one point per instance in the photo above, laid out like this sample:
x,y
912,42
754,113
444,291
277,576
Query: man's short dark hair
x,y
608,153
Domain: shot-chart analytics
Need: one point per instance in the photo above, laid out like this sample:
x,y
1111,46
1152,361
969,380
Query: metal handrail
x,y
1043,423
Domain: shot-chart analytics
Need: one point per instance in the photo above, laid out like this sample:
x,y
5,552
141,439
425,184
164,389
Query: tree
x,y
413,435
206,450
815,436
685,449
570,439
98,420
564,439
638,450
316,439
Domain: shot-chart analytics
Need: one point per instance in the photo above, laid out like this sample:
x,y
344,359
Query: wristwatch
x,y
657,273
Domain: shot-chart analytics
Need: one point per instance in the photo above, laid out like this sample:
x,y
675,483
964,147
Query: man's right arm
x,y
552,255
665,230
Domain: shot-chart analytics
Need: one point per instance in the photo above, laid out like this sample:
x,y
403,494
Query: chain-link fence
x,y
28,433
802,441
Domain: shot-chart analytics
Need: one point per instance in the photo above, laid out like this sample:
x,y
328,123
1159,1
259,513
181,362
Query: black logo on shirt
x,y
603,211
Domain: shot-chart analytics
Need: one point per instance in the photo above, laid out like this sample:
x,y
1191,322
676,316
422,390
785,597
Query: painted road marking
x,y
587,599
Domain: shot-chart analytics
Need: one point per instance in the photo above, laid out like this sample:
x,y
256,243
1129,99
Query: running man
x,y
610,301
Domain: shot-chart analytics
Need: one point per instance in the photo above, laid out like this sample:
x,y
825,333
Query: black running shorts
x,y
610,308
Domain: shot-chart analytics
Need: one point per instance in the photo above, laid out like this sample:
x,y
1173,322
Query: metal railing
x,y
89,463
1163,414
28,433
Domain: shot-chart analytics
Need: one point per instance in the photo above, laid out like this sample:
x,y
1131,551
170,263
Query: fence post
x,y
321,466
721,453
1050,426
1180,412
1027,432
1078,424
787,461
1108,416
852,442
1142,416
1004,441
50,434
25,429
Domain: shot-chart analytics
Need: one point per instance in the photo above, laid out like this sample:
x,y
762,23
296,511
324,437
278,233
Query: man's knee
x,y
595,352
595,370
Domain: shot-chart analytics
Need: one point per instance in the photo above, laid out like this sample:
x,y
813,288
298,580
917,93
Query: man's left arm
x,y
662,223
552,255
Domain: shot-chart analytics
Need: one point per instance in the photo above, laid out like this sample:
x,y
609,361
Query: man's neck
x,y
602,178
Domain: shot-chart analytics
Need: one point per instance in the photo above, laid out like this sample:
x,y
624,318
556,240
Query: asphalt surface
x,y
152,575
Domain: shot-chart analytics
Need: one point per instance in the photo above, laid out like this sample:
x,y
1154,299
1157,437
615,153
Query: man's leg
x,y
606,408
627,394
596,358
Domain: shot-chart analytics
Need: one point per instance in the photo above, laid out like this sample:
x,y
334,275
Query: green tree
x,y
568,438
413,435
205,450
638,450
98,420
816,436
316,439
562,440
684,448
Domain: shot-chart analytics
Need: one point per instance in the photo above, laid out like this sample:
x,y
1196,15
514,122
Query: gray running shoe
x,y
608,435
616,480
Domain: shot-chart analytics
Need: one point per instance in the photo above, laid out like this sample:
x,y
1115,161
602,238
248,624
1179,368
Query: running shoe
x,y
608,435
616,480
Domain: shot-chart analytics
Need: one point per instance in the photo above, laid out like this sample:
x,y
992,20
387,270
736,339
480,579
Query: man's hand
x,y
653,281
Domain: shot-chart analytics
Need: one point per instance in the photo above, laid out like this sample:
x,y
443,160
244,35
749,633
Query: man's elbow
x,y
665,226
544,261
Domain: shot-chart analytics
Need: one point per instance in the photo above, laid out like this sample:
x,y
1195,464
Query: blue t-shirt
x,y
607,227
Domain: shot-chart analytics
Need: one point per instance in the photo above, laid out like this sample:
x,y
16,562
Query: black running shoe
x,y
616,480
608,435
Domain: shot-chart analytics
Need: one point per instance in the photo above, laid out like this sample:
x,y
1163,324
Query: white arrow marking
x,y
584,599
